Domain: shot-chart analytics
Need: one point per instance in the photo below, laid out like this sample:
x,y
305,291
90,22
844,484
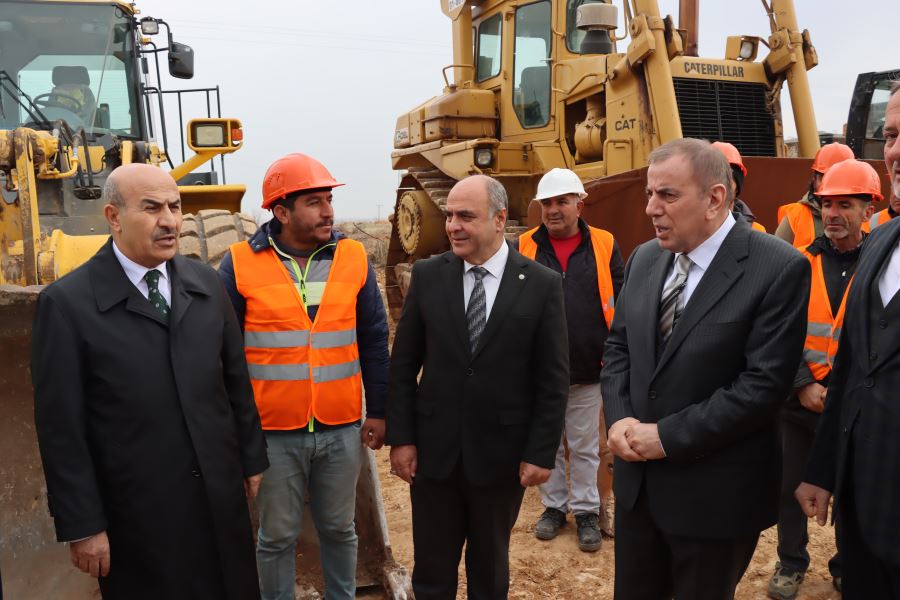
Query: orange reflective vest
x,y
602,242
879,218
300,368
823,329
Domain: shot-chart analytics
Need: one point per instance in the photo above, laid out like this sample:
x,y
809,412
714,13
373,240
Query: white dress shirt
x,y
136,272
701,257
889,283
495,266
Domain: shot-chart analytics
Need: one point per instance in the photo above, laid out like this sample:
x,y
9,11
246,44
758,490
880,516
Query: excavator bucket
x,y
35,565
617,203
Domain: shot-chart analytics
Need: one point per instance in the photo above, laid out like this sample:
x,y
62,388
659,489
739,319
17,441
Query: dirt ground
x,y
558,569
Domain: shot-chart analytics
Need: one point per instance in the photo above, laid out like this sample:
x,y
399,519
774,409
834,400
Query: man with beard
x,y
144,410
315,334
856,453
847,193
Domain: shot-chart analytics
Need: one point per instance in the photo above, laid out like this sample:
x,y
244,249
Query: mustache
x,y
325,223
161,232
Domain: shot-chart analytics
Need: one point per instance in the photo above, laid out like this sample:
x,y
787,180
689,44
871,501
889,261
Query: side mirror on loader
x,y
181,61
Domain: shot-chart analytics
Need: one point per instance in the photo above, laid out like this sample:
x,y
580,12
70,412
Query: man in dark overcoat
x,y
148,432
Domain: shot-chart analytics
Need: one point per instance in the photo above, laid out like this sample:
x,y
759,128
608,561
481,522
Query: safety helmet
x,y
830,154
559,182
731,154
851,178
294,173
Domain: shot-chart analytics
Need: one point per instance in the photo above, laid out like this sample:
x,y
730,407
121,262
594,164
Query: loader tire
x,y
207,235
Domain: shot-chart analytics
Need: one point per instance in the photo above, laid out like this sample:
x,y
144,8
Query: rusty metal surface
x,y
34,565
617,203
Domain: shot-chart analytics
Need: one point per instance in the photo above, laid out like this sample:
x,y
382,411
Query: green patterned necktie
x,y
156,298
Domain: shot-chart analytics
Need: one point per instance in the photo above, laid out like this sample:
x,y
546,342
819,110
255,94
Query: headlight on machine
x,y
484,157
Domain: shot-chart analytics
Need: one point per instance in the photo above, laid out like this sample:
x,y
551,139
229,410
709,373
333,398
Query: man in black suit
x,y
856,453
145,416
708,332
487,328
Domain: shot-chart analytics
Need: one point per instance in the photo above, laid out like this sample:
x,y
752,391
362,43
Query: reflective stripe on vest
x,y
879,218
301,369
823,330
602,242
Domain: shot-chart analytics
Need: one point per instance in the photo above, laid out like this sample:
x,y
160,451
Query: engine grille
x,y
726,111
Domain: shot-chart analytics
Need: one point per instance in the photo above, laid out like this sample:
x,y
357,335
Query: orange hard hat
x,y
294,173
851,178
830,154
731,154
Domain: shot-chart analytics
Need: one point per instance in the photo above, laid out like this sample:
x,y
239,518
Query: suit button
x,y
195,472
882,324
652,394
846,430
873,356
470,372
869,382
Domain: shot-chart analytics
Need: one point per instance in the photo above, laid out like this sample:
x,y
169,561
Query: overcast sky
x,y
329,78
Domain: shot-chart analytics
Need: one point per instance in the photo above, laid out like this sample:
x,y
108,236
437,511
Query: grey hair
x,y
497,198
111,194
895,87
709,166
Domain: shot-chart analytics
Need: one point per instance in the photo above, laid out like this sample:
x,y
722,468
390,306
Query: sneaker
x,y
589,537
785,583
549,524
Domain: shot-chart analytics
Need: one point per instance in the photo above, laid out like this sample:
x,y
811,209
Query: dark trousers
x,y
865,576
449,512
653,565
796,443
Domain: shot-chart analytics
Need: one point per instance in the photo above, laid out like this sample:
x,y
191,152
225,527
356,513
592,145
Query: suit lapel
x,y
658,272
868,284
113,286
453,281
510,286
722,274
183,283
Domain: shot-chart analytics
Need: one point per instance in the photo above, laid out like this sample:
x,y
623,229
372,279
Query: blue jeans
x,y
327,464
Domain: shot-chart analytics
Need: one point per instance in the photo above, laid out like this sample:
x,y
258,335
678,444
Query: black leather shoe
x,y
549,524
589,536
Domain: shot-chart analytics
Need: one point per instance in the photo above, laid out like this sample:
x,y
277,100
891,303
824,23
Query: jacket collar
x,y
269,231
542,236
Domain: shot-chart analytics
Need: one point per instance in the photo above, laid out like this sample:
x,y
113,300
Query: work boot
x,y
785,583
549,524
589,537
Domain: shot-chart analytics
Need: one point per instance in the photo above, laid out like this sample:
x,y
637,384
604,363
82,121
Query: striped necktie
x,y
156,298
672,303
476,312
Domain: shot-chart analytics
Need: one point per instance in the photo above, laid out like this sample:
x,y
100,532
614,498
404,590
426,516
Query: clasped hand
x,y
633,441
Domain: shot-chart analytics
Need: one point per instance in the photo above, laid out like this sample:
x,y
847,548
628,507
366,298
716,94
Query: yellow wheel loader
x,y
80,94
594,86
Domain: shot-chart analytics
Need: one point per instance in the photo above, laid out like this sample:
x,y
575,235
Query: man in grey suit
x,y
856,454
708,333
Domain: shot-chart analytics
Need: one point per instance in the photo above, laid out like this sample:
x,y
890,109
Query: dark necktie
x,y
156,298
672,304
476,312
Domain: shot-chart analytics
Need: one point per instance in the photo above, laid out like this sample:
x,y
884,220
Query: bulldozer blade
x,y
617,203
35,564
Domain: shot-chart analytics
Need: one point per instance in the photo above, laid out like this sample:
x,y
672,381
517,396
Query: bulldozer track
x,y
207,235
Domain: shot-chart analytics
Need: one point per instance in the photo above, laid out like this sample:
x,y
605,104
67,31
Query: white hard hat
x,y
559,182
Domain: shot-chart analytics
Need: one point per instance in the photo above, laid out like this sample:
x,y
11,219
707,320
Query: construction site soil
x,y
557,568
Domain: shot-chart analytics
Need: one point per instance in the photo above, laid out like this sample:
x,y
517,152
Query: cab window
x,y
531,72
489,44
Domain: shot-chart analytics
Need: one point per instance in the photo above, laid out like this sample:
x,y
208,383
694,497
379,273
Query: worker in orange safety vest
x,y
847,192
315,334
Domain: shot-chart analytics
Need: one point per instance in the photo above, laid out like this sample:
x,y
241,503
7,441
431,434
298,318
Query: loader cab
x,y
71,62
865,123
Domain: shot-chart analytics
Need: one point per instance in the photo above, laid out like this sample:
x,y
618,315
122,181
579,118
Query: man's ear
x,y
718,198
501,218
281,213
869,211
112,214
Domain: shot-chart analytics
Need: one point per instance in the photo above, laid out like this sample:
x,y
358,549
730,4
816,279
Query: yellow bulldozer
x,y
538,84
80,94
